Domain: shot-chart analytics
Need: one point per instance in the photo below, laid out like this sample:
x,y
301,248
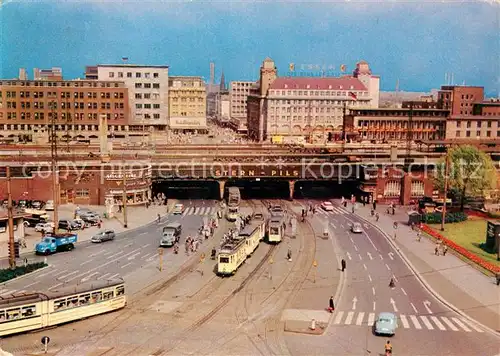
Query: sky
x,y
413,42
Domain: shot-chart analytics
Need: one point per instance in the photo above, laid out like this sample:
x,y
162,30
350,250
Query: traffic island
x,y
11,273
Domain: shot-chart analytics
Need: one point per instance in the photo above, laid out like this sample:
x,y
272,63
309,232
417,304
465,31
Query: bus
x,y
22,312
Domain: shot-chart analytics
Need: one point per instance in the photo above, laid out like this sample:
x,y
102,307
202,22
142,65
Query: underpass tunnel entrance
x,y
187,189
260,189
325,189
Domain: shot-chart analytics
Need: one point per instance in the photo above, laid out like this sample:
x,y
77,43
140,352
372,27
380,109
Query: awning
x,y
189,127
116,192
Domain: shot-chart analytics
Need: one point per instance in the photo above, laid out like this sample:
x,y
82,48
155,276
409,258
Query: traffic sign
x,y
45,340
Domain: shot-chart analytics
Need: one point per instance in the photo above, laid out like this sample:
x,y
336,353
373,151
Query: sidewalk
x,y
462,286
136,217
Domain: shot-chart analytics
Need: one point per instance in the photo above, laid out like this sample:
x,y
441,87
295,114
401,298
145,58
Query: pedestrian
x,y
331,305
498,279
419,236
436,250
377,216
445,249
343,264
289,255
372,212
374,205
353,208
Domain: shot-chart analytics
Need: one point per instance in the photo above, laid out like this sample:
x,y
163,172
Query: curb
x,y
25,275
424,283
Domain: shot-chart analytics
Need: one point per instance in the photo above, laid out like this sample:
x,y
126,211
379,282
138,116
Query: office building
x,y
27,108
306,108
239,92
187,100
147,89
53,74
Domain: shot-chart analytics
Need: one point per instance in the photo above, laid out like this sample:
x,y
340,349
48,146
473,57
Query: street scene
x,y
249,178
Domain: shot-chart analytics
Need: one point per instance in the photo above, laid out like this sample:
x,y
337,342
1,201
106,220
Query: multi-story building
x,y
187,99
459,99
305,107
223,106
392,125
52,74
147,89
27,108
238,92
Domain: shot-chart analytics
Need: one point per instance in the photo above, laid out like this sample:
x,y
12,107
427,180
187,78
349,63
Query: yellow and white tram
x,y
253,233
276,229
30,311
231,257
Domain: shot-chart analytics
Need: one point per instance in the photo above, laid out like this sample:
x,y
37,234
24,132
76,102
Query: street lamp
x,y
446,173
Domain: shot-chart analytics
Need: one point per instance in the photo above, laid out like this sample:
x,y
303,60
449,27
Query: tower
x,y
268,73
222,82
212,73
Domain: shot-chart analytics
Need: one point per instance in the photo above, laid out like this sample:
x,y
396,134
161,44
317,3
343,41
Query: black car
x,y
67,225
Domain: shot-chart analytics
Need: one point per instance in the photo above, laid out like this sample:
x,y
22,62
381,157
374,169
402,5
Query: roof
x,y
342,83
131,66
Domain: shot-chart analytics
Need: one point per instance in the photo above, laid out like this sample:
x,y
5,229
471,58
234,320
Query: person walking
x,y
331,305
343,265
436,250
445,249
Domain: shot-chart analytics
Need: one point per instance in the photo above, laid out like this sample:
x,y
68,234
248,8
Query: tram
x,y
233,204
31,311
276,229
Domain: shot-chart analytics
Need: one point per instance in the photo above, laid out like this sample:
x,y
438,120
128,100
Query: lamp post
x,y
124,194
446,173
55,172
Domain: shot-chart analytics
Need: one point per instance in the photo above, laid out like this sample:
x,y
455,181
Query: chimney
x,y
22,74
212,73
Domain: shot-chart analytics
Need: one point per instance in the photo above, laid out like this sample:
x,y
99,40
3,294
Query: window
x,y
467,134
489,124
417,188
457,134
392,189
138,85
82,193
479,124
156,86
137,75
120,290
156,116
146,75
129,74
488,133
155,75
147,85
107,295
138,106
138,96
156,106
147,96
72,302
111,74
147,106
478,133
120,74
468,124
96,297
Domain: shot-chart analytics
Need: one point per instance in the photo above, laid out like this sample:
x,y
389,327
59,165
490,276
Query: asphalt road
x,y
426,327
129,252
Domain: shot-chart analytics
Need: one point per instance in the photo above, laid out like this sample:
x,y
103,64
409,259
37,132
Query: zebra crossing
x,y
200,211
336,211
415,322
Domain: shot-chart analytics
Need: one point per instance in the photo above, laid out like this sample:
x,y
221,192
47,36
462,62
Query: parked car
x,y
386,324
102,236
90,218
67,225
49,205
327,206
356,228
44,227
79,223
178,209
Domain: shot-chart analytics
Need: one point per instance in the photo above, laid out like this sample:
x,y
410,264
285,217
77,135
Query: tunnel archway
x,y
324,189
186,189
260,189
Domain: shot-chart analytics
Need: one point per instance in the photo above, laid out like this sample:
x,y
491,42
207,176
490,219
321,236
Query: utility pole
x,y
409,139
124,196
10,215
55,172
343,137
446,174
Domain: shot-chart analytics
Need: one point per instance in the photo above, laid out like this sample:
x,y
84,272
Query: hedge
x,y
436,218
459,249
7,274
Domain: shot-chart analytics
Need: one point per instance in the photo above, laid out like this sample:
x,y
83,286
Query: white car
x,y
49,206
327,206
178,209
44,227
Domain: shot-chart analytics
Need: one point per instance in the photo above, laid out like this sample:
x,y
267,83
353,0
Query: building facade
x,y
392,125
307,107
223,106
238,92
53,74
28,108
188,102
147,89
459,99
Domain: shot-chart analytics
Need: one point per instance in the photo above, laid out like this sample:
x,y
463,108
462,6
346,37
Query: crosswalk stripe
x,y
472,325
196,211
427,323
415,322
438,323
449,323
359,321
404,321
348,320
371,319
462,325
338,318
186,211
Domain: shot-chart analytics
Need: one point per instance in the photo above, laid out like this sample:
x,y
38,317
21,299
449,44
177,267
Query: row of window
x,y
137,75
391,113
273,102
393,189
154,96
478,134
17,127
147,106
64,94
65,105
316,93
384,125
187,113
64,116
76,84
147,85
302,118
147,116
478,124
88,298
82,193
192,100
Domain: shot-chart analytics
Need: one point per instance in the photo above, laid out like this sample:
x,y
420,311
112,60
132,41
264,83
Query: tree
x,y
472,173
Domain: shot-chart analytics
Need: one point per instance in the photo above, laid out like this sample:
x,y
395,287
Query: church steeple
x,y
222,82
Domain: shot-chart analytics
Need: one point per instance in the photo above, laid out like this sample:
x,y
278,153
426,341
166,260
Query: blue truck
x,y
56,243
